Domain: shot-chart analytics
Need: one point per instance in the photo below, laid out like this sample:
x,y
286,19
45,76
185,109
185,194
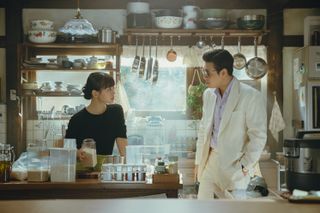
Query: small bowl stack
x,y
168,19
42,32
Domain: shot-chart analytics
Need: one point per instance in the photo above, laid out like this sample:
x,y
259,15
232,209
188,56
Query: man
x,y
232,131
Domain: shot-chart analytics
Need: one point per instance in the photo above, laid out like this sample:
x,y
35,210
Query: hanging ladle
x,y
171,55
239,60
200,44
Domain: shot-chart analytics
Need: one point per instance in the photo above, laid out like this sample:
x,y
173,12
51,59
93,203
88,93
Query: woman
x,y
100,120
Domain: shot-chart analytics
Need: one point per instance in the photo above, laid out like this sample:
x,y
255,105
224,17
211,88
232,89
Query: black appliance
x,y
303,161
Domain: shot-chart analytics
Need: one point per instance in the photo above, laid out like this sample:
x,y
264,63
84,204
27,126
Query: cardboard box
x,y
165,178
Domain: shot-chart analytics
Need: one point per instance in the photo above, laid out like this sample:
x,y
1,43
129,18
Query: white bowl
x,y
42,36
168,22
138,7
42,25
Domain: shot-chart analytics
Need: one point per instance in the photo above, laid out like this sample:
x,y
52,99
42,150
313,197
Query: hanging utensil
x,y
222,42
142,67
155,69
171,55
256,67
136,60
150,61
239,60
200,44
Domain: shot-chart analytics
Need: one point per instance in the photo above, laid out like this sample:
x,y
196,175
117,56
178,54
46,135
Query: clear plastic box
x,y
63,164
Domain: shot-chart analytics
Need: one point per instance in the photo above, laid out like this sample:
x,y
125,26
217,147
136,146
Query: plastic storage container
x,y
63,164
38,161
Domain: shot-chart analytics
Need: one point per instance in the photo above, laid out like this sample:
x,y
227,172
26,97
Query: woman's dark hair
x,y
97,81
220,59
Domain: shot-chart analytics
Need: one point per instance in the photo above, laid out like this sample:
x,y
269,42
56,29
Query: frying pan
x,y
239,60
256,67
136,61
142,67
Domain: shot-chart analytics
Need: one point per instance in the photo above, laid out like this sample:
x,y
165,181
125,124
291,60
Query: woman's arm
x,y
122,143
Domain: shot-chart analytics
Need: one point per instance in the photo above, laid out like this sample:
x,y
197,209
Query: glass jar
x,y
89,148
6,159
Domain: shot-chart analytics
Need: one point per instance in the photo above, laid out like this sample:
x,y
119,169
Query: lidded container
x,y
38,161
63,162
89,148
6,159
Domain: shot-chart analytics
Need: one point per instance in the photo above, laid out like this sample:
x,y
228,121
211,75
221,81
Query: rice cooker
x,y
303,161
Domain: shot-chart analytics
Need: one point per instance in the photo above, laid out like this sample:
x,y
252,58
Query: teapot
x,y
6,159
92,62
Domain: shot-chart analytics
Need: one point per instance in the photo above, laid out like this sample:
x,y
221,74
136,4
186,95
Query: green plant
x,y
194,99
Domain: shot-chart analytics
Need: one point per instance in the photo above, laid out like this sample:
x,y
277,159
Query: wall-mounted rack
x,y
131,32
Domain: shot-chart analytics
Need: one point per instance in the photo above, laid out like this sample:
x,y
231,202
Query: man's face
x,y
211,76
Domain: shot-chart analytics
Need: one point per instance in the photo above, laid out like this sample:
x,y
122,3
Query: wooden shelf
x,y
44,68
37,93
195,32
74,48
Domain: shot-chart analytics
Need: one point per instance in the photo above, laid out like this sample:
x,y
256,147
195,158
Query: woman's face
x,y
106,95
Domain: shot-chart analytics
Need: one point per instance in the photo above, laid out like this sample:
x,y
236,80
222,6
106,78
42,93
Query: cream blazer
x,y
242,134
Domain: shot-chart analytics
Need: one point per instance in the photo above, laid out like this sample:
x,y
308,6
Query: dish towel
x,y
276,123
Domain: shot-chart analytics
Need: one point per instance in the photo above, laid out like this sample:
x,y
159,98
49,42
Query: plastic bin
x,y
63,164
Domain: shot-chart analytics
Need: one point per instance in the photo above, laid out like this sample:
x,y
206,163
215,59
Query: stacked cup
x,y
42,32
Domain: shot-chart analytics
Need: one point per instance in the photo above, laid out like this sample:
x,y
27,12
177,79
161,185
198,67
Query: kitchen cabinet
x,y
32,86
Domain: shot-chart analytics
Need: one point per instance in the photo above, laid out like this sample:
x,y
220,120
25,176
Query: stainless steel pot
x,y
106,35
303,162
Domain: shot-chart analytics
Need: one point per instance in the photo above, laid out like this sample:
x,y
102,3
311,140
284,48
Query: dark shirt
x,y
103,128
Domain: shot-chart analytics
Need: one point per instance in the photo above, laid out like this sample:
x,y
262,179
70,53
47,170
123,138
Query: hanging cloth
x,y
276,123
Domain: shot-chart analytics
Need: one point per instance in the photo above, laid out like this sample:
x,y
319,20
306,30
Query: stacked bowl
x,y
42,32
168,18
214,19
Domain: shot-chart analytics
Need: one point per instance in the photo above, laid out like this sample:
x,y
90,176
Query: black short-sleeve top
x,y
103,128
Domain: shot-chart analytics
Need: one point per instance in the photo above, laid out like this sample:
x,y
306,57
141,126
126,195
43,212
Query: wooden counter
x,y
83,189
155,206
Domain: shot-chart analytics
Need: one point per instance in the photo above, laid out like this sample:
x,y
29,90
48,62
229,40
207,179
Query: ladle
x,y
200,44
171,55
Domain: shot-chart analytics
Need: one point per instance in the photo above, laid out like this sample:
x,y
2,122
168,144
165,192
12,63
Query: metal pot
x,y
256,67
106,35
302,169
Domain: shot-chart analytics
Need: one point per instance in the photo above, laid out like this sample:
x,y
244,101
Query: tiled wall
x,y
3,124
36,130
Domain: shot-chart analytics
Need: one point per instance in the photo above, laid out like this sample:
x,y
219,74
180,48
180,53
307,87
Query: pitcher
x,y
190,16
6,159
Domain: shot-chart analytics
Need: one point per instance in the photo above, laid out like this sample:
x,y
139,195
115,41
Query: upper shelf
x,y
75,48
